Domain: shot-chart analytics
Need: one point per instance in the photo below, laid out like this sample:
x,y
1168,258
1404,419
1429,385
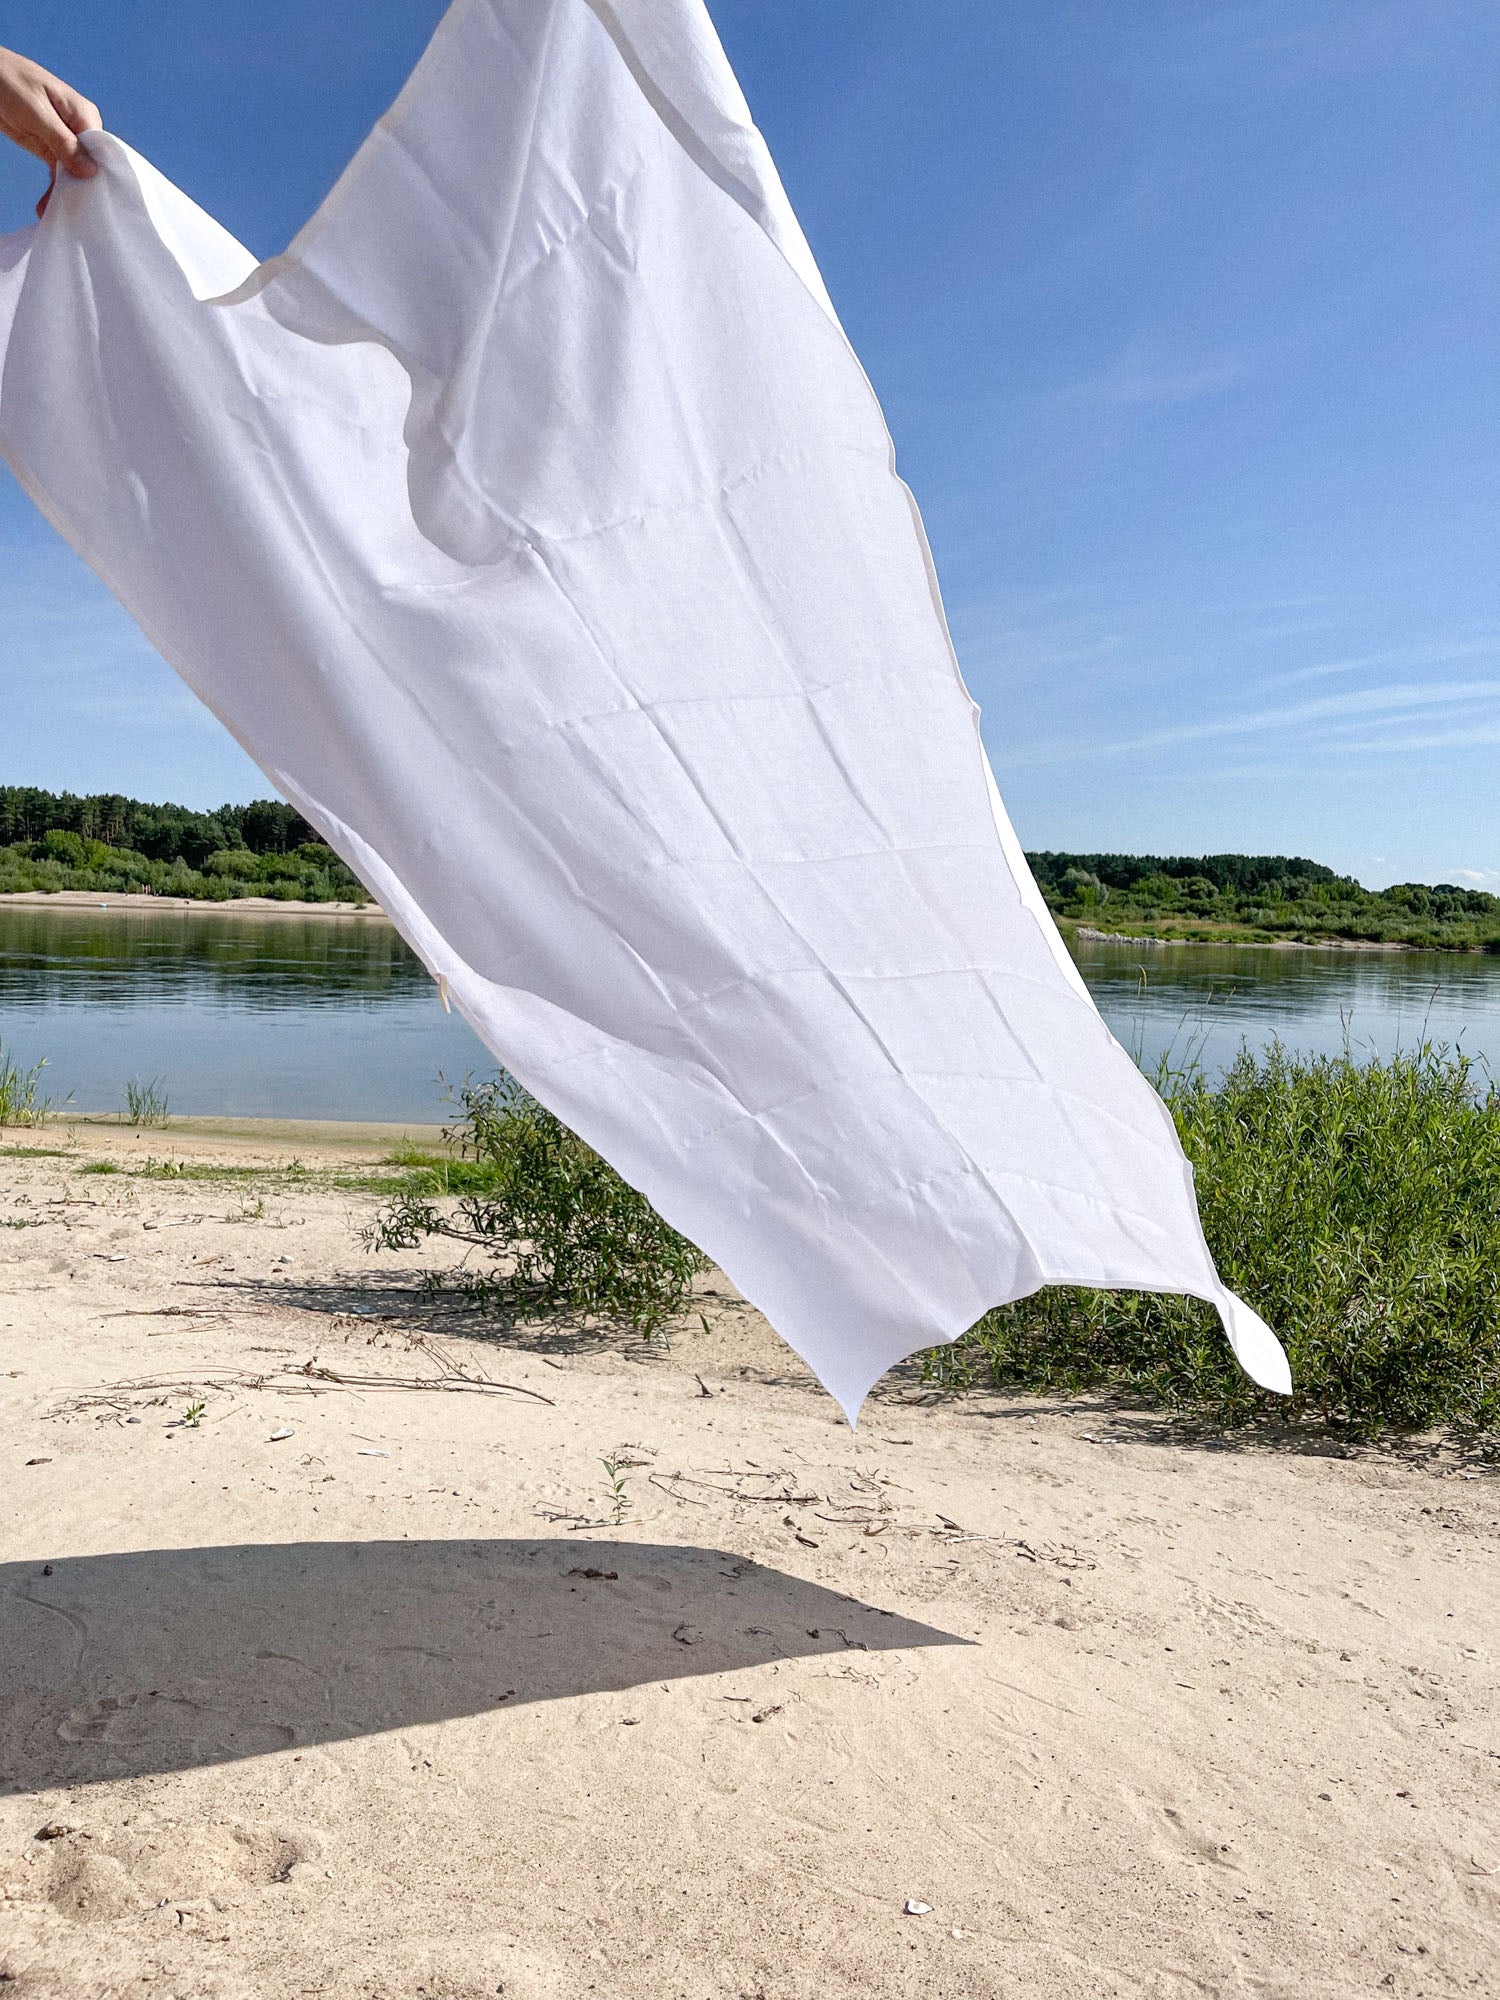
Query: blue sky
x,y
1183,319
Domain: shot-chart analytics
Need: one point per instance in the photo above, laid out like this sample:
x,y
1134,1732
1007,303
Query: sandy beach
x,y
1093,936
243,906
352,1690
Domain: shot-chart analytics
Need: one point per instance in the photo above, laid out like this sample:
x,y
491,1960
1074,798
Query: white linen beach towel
x,y
533,526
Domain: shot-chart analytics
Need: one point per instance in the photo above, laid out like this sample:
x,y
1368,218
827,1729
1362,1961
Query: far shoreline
x,y
249,906
272,906
1089,935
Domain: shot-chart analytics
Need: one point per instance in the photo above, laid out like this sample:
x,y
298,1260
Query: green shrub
x,y
59,845
1357,1207
557,1229
237,863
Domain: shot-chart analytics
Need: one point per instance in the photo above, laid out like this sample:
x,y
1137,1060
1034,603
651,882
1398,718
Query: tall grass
x,y
21,1101
1355,1205
554,1228
145,1101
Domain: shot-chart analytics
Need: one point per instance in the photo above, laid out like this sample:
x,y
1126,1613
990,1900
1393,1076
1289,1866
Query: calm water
x,y
332,1017
274,1017
1207,1000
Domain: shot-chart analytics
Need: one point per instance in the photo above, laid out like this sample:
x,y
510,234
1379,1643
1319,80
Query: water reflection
x,y
1206,1000
120,957
275,1016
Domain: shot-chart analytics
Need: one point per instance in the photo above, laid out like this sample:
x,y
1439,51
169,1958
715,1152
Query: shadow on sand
x,y
165,1659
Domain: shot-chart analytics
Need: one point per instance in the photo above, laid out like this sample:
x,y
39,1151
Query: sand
x,y
1093,936
393,1706
240,906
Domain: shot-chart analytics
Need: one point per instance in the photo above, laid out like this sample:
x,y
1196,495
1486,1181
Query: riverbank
x,y
1257,940
1261,899
263,906
636,1672
270,1142
248,906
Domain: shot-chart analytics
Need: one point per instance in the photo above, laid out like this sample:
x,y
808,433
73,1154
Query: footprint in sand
x,y
266,1856
91,1888
132,1721
1195,1844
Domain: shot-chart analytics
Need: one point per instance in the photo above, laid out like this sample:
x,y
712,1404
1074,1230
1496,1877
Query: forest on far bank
x,y
111,845
1267,897
114,845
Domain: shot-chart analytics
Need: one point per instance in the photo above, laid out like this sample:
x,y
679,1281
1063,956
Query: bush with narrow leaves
x,y
1355,1205
554,1228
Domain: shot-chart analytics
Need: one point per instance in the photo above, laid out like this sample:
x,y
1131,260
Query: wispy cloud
x,y
1468,736
1394,701
1288,628
1133,382
1435,655
168,704
1021,654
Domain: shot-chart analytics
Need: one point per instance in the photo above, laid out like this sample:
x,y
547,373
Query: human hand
x,y
41,113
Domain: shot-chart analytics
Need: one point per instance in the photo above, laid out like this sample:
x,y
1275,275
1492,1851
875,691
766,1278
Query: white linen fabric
x,y
533,526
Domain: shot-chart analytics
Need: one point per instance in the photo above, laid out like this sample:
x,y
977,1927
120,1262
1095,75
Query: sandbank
x,y
314,1686
243,906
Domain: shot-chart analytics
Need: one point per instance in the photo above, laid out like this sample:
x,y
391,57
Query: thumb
x,y
73,157
73,115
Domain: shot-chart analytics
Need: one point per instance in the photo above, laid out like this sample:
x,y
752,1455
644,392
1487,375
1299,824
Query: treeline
x,y
160,832
105,842
1266,896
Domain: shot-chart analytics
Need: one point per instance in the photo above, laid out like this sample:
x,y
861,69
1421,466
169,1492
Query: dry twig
x,y
310,1379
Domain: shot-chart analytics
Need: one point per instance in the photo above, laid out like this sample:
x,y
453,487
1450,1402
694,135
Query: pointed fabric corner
x,y
533,526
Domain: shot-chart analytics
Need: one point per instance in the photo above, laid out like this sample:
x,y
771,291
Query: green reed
x,y
21,1100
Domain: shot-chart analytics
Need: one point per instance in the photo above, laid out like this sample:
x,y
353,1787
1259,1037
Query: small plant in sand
x,y
145,1102
192,1416
21,1101
556,1228
1356,1205
619,1496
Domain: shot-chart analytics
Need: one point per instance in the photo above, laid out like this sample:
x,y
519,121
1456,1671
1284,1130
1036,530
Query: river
x,y
288,1016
